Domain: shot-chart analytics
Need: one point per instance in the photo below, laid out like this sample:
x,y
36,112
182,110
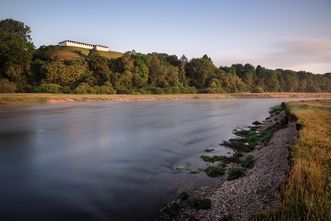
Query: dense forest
x,y
26,69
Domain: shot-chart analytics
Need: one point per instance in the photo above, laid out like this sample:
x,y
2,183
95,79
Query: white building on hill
x,y
70,43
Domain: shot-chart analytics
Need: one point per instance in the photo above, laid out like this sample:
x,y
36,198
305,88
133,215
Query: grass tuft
x,y
235,172
215,171
275,109
266,135
247,162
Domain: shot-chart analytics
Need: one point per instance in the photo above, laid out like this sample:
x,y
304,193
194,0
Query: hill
x,y
70,53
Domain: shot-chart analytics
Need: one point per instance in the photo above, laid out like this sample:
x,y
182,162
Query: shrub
x,y
49,88
84,88
7,86
107,88
188,90
212,159
252,139
258,90
248,161
214,171
275,109
235,172
155,90
266,135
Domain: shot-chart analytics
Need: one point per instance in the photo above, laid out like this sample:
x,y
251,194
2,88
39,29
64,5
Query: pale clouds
x,y
312,55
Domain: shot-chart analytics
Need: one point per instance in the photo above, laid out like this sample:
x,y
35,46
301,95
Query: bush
x,y
275,109
84,88
248,162
266,135
188,90
155,90
258,90
212,90
49,88
235,172
7,86
66,90
214,171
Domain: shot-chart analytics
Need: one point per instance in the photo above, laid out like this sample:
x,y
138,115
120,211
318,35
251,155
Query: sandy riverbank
x,y
29,98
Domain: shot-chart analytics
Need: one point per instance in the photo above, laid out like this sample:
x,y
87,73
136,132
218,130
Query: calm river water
x,y
110,160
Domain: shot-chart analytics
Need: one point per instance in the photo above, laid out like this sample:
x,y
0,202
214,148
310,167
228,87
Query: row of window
x,y
87,45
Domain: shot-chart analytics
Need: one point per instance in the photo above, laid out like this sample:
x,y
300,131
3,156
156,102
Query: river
x,y
110,160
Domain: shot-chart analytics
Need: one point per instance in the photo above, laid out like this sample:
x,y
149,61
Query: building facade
x,y
71,43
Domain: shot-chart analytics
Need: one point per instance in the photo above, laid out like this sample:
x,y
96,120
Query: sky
x,y
288,34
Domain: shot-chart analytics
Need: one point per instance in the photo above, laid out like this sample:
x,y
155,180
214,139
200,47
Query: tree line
x,y
26,69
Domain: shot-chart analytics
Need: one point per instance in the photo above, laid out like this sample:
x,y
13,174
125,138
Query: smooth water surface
x,y
110,160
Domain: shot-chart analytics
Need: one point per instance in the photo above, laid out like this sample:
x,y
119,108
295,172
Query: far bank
x,y
37,98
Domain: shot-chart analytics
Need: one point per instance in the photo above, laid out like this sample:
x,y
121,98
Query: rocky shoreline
x,y
257,187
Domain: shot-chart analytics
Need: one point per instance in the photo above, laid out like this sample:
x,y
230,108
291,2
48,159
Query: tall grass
x,y
307,193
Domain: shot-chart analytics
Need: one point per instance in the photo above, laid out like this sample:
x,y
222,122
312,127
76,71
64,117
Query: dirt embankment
x,y
259,187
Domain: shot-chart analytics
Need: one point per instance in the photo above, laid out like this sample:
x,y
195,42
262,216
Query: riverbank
x,y
306,194
35,98
263,191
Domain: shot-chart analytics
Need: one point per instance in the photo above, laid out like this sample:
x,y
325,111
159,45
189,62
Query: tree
x,y
98,66
182,70
69,73
16,51
198,70
141,71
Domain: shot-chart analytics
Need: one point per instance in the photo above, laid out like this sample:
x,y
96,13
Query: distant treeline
x,y
26,69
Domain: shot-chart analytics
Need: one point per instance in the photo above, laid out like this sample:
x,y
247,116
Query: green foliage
x,y
247,162
84,88
235,158
198,70
212,159
68,73
16,51
134,73
275,109
266,135
235,172
252,139
49,88
215,171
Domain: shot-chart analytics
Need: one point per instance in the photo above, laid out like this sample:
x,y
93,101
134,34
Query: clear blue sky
x,y
292,34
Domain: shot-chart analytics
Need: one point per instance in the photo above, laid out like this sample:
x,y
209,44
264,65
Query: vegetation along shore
x,y
280,170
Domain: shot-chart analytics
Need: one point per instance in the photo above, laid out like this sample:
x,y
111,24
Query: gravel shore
x,y
259,188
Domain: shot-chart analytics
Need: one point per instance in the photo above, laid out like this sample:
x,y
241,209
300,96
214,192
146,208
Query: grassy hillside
x,y
69,53
307,192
